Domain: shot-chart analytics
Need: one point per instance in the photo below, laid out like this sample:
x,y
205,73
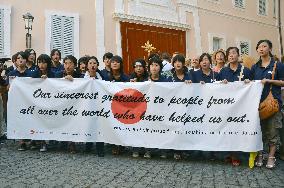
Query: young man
x,y
55,56
106,58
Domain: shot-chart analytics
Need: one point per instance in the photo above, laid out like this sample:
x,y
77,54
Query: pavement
x,y
58,168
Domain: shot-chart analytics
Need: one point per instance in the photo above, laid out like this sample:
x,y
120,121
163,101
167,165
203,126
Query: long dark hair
x,y
267,42
28,51
45,59
269,45
181,59
119,60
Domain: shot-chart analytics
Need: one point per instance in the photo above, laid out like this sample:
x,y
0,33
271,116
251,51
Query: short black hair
x,y
153,55
157,60
232,48
72,58
83,59
107,55
24,55
93,57
166,56
207,55
179,58
53,52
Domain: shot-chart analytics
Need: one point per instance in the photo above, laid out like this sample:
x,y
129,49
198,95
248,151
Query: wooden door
x,y
136,35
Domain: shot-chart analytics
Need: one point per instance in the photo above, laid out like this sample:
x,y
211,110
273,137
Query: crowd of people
x,y
163,68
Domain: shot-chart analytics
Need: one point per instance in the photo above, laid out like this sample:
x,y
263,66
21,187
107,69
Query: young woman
x,y
31,60
44,64
233,72
69,72
140,74
20,71
205,73
155,66
179,71
92,72
179,74
220,59
116,74
82,64
44,71
262,70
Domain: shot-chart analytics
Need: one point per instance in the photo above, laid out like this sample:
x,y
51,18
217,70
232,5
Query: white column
x,y
119,8
100,30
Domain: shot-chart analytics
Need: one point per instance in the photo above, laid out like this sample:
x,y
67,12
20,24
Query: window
x,y
244,44
262,5
5,21
216,43
1,32
244,48
274,8
62,32
239,3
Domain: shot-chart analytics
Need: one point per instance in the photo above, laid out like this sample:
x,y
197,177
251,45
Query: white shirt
x,y
167,66
98,76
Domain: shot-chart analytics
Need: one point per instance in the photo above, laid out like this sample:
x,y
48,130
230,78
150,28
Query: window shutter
x,y
62,34
244,48
1,32
68,36
239,3
56,32
262,7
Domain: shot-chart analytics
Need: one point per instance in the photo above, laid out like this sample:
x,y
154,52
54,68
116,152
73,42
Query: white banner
x,y
210,117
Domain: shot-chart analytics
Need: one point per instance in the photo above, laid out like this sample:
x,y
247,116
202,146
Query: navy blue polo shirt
x,y
174,77
231,75
33,70
259,73
143,79
59,68
161,79
105,73
122,78
198,76
16,73
38,74
62,74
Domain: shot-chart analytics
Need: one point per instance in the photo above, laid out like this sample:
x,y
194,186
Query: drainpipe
x,y
280,29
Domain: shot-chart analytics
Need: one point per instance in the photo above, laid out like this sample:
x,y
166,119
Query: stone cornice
x,y
226,15
150,21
